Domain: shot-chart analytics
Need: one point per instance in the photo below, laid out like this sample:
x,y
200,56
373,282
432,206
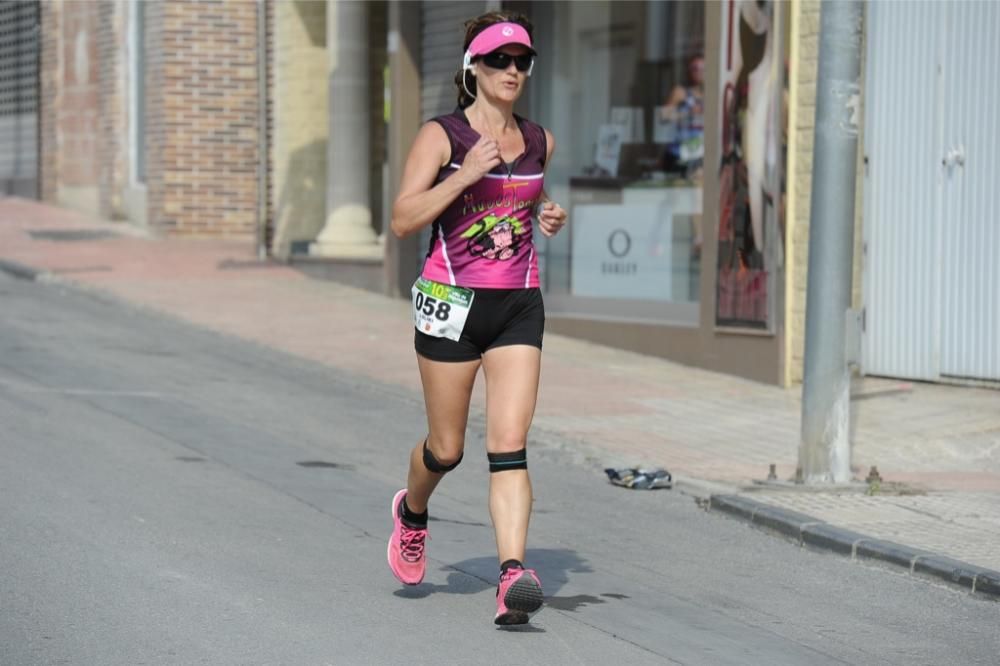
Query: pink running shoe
x,y
406,546
519,594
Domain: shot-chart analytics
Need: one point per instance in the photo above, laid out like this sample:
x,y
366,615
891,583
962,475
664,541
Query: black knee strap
x,y
501,462
431,463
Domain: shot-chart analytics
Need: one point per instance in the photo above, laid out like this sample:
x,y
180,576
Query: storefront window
x,y
620,86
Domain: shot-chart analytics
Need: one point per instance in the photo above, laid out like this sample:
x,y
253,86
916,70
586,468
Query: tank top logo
x,y
508,198
499,234
484,239
494,237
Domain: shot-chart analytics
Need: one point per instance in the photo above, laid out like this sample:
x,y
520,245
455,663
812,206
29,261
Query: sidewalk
x,y
603,406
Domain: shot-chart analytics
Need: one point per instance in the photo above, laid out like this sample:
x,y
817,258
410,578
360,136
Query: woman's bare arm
x,y
551,216
420,202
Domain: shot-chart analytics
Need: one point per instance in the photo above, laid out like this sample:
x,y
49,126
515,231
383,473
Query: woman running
x,y
476,175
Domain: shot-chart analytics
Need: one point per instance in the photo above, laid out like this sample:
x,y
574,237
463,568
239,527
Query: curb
x,y
817,534
702,490
20,271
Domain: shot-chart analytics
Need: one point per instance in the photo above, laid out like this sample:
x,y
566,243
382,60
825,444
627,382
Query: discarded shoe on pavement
x,y
640,478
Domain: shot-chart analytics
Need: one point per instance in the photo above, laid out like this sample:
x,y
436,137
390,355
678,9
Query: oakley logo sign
x,y
619,243
508,31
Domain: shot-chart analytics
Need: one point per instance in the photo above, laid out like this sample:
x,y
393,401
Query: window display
x,y
624,100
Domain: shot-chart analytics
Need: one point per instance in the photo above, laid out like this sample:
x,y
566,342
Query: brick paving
x,y
963,525
609,406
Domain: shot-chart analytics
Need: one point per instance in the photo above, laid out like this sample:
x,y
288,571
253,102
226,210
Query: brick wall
x,y
112,116
77,108
156,131
803,117
202,117
49,74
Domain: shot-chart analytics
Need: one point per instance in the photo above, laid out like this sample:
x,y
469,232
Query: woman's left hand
x,y
551,218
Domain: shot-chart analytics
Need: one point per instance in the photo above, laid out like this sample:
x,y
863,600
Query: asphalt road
x,y
175,496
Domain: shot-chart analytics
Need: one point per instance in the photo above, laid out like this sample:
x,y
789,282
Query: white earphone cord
x,y
465,85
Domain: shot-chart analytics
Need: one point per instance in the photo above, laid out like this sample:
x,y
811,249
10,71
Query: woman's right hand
x,y
480,160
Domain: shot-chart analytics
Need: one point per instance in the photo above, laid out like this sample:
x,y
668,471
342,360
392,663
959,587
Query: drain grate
x,y
72,235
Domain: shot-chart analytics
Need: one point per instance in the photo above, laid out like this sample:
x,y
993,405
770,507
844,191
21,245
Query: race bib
x,y
440,310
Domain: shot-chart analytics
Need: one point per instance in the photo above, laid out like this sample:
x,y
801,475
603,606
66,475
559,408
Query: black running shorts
x,y
498,318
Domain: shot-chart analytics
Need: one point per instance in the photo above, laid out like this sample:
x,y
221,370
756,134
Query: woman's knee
x,y
507,453
507,442
443,454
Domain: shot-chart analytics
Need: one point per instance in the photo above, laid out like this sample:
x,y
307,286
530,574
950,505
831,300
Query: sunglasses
x,y
501,60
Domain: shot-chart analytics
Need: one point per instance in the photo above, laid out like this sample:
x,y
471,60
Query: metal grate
x,y
19,56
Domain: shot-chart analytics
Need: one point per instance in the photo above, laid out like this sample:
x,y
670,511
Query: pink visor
x,y
497,35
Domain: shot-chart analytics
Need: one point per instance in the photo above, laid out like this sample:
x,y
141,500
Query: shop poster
x,y
751,178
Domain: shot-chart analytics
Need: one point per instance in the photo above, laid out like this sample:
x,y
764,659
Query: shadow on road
x,y
471,576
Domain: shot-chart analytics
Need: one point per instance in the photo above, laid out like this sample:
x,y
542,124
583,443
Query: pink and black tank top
x,y
484,238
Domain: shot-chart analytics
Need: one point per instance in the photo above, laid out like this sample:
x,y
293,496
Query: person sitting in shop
x,y
685,108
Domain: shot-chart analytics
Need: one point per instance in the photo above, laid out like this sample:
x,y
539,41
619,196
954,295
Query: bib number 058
x,y
440,310
429,306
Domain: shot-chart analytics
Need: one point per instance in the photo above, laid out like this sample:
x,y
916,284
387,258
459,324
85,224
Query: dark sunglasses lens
x,y
497,60
500,60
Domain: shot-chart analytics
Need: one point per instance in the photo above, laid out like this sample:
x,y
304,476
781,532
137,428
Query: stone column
x,y
348,232
400,268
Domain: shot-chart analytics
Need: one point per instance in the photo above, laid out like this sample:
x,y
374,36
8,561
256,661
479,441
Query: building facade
x,y
684,158
150,113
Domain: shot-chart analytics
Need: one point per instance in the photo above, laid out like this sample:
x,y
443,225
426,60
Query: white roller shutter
x,y
441,53
932,233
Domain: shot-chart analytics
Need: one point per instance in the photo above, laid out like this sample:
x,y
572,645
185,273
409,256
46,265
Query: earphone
x,y
467,67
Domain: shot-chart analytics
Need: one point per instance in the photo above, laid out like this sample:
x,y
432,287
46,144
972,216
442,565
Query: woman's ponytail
x,y
464,99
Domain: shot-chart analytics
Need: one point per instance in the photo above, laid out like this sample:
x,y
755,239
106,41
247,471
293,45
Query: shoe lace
x,y
512,572
411,543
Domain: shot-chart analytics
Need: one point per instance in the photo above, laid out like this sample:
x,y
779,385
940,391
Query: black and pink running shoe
x,y
406,546
519,595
